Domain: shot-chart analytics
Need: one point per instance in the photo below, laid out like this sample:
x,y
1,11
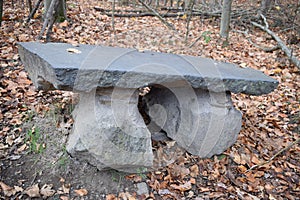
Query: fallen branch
x,y
266,49
97,8
273,157
143,13
157,15
195,41
171,13
281,44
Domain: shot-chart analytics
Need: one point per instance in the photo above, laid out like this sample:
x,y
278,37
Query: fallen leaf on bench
x,y
72,50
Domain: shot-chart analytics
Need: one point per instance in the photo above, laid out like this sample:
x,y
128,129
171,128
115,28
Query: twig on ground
x,y
97,8
170,26
273,157
266,49
8,60
195,41
281,44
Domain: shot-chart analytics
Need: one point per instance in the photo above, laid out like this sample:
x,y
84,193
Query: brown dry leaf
x,y
163,184
203,189
134,177
33,191
81,192
47,190
126,196
278,169
73,50
250,177
170,143
10,139
21,148
194,170
36,15
179,170
110,197
236,157
7,190
242,168
18,189
245,158
64,23
31,92
182,188
269,187
62,180
193,181
64,189
259,173
64,198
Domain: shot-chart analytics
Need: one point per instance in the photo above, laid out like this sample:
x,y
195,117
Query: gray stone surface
x,y
142,188
99,66
202,122
109,132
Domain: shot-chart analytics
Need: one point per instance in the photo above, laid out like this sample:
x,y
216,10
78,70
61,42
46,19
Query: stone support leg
x,y
110,132
202,122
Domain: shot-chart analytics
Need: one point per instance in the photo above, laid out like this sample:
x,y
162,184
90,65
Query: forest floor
x,y
35,124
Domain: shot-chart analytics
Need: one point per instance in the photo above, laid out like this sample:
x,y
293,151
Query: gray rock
x,y
142,189
202,122
109,131
190,100
99,66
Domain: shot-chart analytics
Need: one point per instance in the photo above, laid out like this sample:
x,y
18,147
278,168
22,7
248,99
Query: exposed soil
x,y
53,165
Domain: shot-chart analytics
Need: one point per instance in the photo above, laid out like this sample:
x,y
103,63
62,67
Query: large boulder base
x,y
205,123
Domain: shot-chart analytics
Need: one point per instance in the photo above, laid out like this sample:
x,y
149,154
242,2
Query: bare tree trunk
x,y
225,19
50,18
61,13
29,5
265,6
1,10
37,5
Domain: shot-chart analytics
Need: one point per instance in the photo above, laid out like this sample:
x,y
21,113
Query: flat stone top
x,y
86,67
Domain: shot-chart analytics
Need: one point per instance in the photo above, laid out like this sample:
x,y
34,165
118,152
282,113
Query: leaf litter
x,y
270,122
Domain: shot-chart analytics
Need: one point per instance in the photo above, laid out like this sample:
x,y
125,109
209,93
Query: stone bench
x,y
189,99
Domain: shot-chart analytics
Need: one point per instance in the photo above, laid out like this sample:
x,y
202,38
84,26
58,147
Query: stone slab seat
x,y
189,99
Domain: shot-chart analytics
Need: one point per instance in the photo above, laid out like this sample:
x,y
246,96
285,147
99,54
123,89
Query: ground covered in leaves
x,y
35,124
